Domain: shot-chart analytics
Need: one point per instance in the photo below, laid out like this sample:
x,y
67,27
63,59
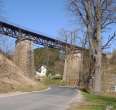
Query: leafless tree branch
x,y
96,15
107,44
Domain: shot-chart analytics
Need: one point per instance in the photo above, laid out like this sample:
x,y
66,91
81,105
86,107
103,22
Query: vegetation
x,y
12,78
113,58
6,87
93,102
96,16
51,58
28,88
53,82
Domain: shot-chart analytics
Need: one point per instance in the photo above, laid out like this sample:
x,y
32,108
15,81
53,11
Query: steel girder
x,y
22,34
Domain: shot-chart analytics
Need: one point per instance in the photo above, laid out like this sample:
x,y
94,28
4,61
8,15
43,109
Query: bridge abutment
x,y
24,56
72,68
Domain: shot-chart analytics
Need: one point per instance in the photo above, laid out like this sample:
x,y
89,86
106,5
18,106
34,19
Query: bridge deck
x,y
21,33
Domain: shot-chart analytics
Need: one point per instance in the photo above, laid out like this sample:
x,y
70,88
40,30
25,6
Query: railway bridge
x,y
24,54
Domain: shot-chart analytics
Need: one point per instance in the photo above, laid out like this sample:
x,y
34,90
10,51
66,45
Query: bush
x,y
56,76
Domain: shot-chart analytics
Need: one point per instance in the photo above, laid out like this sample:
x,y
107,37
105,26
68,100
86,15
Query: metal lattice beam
x,y
20,33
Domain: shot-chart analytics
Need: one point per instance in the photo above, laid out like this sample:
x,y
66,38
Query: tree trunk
x,y
94,36
97,71
98,52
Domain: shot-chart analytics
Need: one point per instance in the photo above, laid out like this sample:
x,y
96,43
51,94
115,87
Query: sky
x,y
48,17
45,16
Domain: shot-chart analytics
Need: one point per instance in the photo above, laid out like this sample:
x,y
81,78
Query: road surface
x,y
57,98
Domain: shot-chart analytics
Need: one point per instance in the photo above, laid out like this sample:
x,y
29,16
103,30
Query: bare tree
x,y
70,37
95,15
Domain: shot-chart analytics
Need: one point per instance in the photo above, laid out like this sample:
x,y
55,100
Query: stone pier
x,y
72,68
24,56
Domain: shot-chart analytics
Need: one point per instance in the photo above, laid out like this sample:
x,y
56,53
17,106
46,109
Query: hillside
x,y
12,78
49,57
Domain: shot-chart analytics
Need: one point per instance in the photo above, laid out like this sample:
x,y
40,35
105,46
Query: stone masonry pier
x,y
72,68
24,56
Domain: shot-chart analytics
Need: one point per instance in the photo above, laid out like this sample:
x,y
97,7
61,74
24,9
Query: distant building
x,y
42,72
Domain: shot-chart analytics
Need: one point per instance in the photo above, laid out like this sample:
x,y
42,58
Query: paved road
x,y
54,99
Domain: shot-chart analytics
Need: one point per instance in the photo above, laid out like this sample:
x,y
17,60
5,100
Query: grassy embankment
x,y
93,102
39,85
44,84
5,88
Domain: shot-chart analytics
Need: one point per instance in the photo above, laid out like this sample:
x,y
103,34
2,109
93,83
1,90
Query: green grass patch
x,y
95,102
55,82
100,102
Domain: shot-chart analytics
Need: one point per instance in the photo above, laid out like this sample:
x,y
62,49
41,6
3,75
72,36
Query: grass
x,y
55,82
5,88
29,88
93,102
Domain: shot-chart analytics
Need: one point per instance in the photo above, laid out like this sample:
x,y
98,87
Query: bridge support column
x,y
24,57
72,68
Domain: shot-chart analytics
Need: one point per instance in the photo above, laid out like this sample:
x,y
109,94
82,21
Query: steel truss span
x,y
22,34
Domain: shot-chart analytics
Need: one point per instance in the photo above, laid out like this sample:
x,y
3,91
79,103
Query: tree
x,y
95,15
70,37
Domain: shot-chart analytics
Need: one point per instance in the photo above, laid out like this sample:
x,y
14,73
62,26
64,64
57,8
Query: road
x,y
57,98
